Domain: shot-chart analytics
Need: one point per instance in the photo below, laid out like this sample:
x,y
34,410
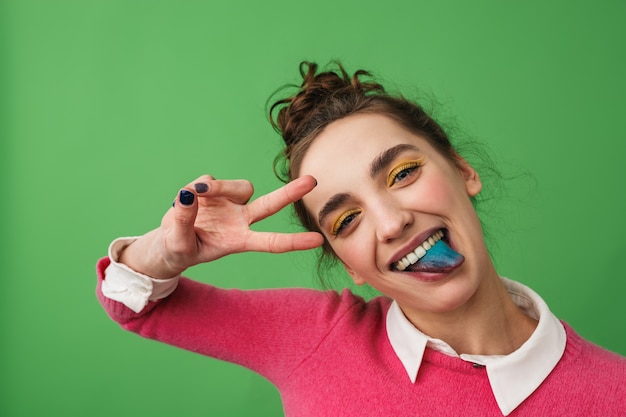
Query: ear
x,y
355,277
473,185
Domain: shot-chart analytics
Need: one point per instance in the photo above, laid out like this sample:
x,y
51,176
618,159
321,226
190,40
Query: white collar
x,y
512,377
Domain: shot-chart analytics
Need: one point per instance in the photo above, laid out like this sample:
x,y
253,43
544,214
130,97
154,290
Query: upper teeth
x,y
419,252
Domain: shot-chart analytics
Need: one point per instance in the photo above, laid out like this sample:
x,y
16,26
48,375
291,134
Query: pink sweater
x,y
328,354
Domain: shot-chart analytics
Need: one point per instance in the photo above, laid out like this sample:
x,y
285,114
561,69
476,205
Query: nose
x,y
391,222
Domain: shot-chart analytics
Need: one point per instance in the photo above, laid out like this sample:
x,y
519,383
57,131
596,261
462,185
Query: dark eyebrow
x,y
386,157
332,204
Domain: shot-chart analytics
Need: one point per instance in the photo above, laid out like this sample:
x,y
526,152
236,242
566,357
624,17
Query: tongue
x,y
439,258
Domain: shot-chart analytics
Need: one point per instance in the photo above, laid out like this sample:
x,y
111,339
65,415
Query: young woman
x,y
380,187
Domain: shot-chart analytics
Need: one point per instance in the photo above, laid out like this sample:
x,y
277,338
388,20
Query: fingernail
x,y
201,187
186,197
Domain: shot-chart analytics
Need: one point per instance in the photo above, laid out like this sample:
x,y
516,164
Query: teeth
x,y
418,252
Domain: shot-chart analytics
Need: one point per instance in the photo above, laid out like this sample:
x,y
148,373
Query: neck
x,y
488,324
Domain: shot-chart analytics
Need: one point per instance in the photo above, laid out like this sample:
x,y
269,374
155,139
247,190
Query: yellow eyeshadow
x,y
337,225
398,169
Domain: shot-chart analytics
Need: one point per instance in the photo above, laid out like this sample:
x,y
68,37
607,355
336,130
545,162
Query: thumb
x,y
182,236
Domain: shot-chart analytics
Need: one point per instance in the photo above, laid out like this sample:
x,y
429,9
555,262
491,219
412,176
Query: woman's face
x,y
382,191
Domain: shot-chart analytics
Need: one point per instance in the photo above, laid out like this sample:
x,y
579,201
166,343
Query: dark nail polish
x,y
201,187
186,197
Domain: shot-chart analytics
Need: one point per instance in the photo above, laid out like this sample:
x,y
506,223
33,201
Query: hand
x,y
216,222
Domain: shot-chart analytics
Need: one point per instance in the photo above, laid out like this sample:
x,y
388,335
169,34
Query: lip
x,y
412,244
431,277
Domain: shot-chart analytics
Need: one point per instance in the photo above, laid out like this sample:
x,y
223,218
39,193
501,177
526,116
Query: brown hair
x,y
332,95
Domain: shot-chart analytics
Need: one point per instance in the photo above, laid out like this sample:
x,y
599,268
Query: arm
x,y
227,324
269,331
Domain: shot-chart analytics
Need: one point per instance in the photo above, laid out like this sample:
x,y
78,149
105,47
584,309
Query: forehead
x,y
353,142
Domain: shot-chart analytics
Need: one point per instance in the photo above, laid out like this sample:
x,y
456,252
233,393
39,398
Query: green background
x,y
108,107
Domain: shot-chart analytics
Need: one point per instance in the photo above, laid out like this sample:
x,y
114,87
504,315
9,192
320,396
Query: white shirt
x,y
512,377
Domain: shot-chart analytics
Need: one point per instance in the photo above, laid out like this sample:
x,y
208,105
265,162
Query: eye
x,y
403,171
344,220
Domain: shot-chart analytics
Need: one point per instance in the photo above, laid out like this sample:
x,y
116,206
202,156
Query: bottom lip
x,y
429,276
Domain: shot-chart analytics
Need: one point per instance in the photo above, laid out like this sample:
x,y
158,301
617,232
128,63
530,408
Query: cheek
x,y
435,194
350,251
357,252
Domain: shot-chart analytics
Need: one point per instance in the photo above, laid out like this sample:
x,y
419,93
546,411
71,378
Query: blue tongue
x,y
440,257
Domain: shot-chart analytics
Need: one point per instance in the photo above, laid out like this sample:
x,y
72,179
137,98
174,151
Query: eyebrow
x,y
386,157
335,201
378,164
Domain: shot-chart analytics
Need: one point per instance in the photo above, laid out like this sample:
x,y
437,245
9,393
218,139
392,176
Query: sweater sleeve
x,y
269,331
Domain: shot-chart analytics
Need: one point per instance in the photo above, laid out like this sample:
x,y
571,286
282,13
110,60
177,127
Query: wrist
x,y
141,256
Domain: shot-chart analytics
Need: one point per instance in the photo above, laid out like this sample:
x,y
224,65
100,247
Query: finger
x,y
283,242
201,184
237,191
182,235
273,202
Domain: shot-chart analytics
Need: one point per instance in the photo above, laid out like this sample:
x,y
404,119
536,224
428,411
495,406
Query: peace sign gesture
x,y
210,219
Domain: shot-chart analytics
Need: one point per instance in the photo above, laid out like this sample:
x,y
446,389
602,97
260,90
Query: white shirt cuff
x,y
129,287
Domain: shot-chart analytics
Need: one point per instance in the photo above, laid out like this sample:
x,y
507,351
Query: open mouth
x,y
432,255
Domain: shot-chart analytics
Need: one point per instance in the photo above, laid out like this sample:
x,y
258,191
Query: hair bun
x,y
319,96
